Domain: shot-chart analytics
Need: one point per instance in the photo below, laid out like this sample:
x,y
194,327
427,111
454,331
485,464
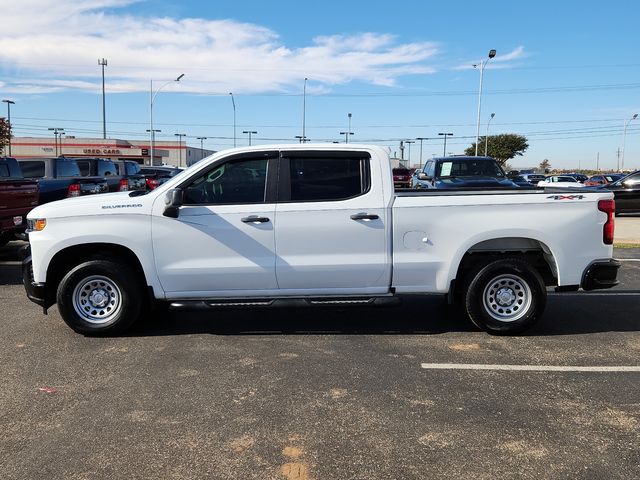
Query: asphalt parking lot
x,y
323,393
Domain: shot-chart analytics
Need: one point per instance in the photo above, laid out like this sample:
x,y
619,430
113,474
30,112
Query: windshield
x,y
468,168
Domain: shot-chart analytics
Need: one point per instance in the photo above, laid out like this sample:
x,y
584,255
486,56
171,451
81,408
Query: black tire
x,y
524,296
118,297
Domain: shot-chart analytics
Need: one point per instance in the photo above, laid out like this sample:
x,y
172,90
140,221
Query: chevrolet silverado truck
x,y
17,197
314,225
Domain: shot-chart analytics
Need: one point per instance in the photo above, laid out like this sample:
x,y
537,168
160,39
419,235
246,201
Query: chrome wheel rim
x,y
507,298
97,299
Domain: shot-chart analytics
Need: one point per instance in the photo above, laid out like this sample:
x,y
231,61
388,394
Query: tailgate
x,y
92,185
17,198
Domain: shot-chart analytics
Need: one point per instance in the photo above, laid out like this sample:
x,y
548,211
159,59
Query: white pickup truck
x,y
313,224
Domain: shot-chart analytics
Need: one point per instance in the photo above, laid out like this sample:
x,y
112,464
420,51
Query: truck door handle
x,y
255,219
364,216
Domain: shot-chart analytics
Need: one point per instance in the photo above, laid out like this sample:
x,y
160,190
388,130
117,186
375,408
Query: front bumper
x,y
36,292
601,274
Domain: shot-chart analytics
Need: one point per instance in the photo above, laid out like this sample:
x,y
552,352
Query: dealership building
x,y
164,152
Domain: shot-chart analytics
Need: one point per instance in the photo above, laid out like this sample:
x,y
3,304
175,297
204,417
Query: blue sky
x,y
567,74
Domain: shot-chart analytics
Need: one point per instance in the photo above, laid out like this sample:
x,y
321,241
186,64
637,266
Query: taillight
x,y
73,190
152,183
608,207
124,185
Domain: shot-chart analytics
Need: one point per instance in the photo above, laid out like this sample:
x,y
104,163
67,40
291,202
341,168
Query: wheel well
x,y
62,261
534,252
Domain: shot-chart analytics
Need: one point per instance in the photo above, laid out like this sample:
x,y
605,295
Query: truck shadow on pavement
x,y
565,315
11,263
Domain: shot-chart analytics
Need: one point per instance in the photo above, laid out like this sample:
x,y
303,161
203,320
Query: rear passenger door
x,y
331,225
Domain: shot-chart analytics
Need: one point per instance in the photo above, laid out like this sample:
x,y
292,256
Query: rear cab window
x,y
67,168
106,168
33,169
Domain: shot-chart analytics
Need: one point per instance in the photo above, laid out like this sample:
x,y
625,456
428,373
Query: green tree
x,y
4,133
502,147
545,165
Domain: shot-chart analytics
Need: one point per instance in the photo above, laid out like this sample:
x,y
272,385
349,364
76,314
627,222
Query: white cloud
x,y
59,50
499,61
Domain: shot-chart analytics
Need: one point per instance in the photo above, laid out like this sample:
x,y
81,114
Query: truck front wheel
x,y
504,296
100,297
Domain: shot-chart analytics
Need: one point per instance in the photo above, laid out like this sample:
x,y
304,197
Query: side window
x,y
67,168
132,168
106,168
85,167
429,169
234,182
317,179
33,169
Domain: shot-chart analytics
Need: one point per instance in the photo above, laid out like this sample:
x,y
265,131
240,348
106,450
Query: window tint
x,y
106,168
132,168
234,182
67,168
85,167
33,169
316,179
4,170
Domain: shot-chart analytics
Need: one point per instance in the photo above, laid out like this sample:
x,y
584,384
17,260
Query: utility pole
x,y
598,161
56,132
482,64
103,63
152,132
402,150
624,136
409,142
444,150
618,155
348,133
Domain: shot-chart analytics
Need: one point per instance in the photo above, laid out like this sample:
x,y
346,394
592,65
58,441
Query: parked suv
x,y
155,176
114,172
60,178
464,172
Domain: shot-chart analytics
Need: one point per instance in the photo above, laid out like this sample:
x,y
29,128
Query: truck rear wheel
x,y
100,297
504,296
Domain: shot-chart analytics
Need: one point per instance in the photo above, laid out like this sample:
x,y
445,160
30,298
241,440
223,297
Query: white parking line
x,y
528,368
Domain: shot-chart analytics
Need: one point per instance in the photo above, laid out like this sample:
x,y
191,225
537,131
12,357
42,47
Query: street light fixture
x,y
233,102
421,139
304,111
444,150
9,103
152,97
348,133
180,135
409,142
202,139
103,63
486,137
249,132
624,136
482,64
57,132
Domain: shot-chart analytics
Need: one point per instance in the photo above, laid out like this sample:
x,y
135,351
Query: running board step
x,y
221,303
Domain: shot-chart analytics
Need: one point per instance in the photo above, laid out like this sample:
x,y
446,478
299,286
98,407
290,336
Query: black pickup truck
x,y
60,178
121,175
17,197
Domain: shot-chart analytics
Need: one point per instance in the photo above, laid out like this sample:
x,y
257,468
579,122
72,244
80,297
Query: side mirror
x,y
173,200
424,176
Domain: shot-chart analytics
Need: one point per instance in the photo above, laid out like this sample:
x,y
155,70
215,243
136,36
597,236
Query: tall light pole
x,y
202,139
624,136
152,133
233,103
180,135
9,103
304,111
482,64
444,150
103,63
409,142
56,131
348,133
152,97
421,139
486,137
249,132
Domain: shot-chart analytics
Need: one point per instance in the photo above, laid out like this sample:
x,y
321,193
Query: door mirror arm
x,y
173,200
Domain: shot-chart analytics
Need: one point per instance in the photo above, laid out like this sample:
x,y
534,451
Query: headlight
x,y
36,225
